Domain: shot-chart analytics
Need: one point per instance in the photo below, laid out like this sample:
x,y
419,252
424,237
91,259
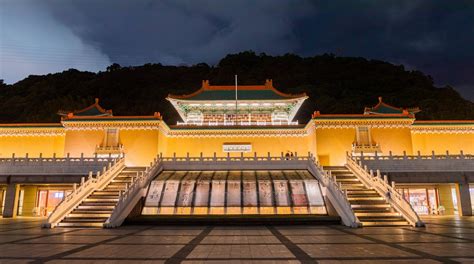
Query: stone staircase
x,y
94,210
368,205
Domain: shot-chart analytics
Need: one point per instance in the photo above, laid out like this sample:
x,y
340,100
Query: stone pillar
x,y
446,198
464,199
11,200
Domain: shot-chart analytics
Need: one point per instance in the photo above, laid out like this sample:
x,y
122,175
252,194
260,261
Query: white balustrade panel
x,y
298,194
233,193
265,193
154,193
202,194
170,193
250,193
281,193
218,193
315,196
186,193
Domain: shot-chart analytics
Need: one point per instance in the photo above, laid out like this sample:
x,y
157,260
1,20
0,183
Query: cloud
x,y
184,31
33,42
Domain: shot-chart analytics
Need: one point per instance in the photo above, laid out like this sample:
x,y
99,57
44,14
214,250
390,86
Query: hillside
x,y
334,84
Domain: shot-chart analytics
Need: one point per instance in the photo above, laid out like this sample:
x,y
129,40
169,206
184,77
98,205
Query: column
x,y
11,200
464,199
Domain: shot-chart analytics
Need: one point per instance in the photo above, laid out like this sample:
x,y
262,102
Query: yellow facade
x,y
83,141
31,144
275,145
329,143
140,146
396,140
333,143
442,142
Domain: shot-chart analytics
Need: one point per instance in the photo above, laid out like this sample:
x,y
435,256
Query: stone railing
x,y
387,191
241,162
133,193
51,165
82,191
413,163
239,123
336,195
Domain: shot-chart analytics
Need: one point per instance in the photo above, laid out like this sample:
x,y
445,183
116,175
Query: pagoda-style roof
x,y
209,92
94,110
383,108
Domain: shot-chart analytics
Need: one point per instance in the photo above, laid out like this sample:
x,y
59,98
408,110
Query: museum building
x,y
238,154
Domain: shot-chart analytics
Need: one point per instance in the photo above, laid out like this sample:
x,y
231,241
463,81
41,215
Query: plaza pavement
x,y
444,239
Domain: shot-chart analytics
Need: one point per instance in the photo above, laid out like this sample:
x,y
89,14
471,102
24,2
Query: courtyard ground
x,y
444,239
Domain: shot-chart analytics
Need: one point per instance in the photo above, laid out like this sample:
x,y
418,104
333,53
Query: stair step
x,y
380,218
365,198
84,220
101,199
376,214
347,180
91,211
103,196
89,215
397,223
97,224
95,207
362,192
365,206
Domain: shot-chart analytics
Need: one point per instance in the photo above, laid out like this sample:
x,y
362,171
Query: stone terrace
x,y
445,239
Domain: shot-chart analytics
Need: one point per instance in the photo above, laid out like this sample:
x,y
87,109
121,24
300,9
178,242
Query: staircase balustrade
x,y
83,190
386,190
133,193
336,195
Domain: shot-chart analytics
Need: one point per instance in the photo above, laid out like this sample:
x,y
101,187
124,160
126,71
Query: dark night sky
x,y
37,37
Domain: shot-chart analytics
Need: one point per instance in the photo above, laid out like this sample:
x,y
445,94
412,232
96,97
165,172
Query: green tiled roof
x,y
241,95
384,109
94,111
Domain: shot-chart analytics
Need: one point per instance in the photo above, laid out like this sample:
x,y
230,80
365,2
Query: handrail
x,y
336,195
230,158
133,192
418,156
387,191
83,190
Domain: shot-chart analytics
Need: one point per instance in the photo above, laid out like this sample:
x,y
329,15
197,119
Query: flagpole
x,y
236,99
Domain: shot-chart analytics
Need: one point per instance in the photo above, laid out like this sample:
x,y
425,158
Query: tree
x,y
114,67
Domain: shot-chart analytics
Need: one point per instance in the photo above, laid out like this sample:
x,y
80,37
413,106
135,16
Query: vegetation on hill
x,y
334,85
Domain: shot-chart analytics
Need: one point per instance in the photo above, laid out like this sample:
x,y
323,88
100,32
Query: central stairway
x,y
94,210
367,204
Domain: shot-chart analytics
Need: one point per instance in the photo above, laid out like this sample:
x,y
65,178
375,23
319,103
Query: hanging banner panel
x,y
298,194
233,193
265,193
218,193
154,193
186,193
170,193
250,193
202,194
314,193
281,193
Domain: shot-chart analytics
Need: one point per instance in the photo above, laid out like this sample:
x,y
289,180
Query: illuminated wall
x,y
262,145
440,142
33,145
140,146
332,144
82,141
396,140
